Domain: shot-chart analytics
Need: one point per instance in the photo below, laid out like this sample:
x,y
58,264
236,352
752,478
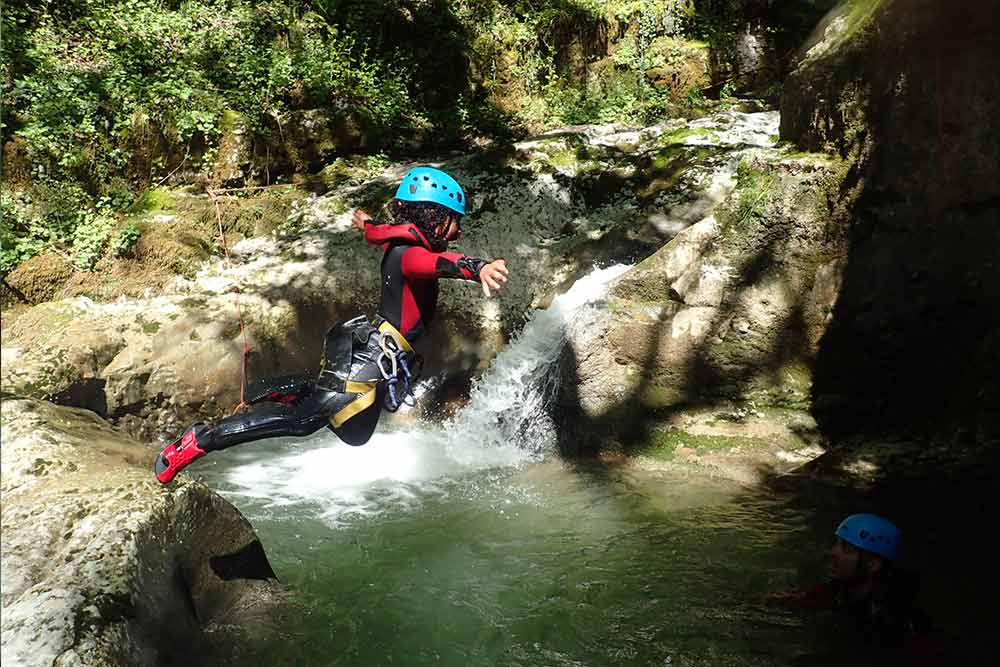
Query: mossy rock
x,y
154,199
665,443
173,246
41,278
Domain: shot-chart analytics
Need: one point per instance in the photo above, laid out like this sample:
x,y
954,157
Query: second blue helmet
x,y
432,185
871,533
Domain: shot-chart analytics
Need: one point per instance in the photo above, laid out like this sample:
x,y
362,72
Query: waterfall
x,y
508,406
505,423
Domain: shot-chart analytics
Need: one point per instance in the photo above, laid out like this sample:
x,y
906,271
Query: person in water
x,y
876,595
366,365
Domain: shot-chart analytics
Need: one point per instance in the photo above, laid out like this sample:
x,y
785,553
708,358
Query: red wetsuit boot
x,y
179,454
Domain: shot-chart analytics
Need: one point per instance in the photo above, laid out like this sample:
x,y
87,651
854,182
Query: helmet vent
x,y
413,188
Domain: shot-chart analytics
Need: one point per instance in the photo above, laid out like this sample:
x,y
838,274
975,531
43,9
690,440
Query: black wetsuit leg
x,y
272,420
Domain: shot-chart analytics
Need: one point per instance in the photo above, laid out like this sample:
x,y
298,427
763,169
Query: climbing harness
x,y
369,367
394,365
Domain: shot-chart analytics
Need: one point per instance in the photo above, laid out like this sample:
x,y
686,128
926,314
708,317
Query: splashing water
x,y
505,424
509,403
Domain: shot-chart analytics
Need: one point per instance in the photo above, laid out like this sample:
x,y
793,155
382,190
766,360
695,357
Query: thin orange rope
x,y
239,309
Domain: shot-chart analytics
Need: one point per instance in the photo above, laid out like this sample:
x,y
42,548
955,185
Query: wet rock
x,y
908,92
103,566
156,363
742,299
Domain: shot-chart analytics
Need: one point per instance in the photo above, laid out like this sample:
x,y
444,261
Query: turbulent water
x,y
504,425
466,544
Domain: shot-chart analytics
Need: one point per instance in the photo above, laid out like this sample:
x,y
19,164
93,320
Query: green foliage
x,y
95,82
89,238
19,238
125,241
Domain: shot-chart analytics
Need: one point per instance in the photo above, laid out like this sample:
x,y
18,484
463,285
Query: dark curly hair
x,y
425,215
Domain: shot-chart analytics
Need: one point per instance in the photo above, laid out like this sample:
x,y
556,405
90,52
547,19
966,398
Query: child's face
x,y
849,563
449,230
844,559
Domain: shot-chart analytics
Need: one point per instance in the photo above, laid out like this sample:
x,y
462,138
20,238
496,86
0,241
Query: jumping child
x,y
365,365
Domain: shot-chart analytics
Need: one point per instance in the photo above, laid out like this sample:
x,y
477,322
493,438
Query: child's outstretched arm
x,y
359,218
421,264
493,274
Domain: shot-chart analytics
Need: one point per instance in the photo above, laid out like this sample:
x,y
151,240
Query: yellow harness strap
x,y
386,328
367,397
367,390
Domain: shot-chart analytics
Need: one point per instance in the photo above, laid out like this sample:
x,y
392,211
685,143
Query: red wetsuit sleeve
x,y
921,650
422,264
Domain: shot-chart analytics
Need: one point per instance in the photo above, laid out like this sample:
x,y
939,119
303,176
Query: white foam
x,y
505,424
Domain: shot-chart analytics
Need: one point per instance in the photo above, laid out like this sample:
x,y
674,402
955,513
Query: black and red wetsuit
x,y
410,273
888,620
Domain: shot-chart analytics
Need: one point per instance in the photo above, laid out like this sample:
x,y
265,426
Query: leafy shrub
x,y
89,239
125,241
19,240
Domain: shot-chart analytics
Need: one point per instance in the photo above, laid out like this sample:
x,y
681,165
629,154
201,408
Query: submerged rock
x,y
103,566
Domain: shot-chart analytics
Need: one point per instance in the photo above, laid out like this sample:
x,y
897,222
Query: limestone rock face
x,y
909,91
553,207
313,137
102,566
732,309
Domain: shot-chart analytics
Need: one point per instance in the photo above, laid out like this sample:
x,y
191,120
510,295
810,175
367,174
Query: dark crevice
x,y
250,562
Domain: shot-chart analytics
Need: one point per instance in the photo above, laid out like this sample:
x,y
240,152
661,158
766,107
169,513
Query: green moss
x,y
147,327
153,200
194,303
564,157
231,120
682,135
857,15
657,396
663,444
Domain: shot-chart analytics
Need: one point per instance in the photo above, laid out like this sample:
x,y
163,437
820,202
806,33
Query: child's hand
x,y
493,275
360,218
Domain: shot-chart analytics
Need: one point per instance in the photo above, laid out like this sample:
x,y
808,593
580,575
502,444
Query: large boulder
x,y
103,566
313,137
909,91
731,311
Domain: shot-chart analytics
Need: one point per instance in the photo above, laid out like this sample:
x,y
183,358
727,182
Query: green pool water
x,y
527,563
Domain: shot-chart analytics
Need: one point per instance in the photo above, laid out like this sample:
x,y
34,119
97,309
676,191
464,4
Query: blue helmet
x,y
433,185
870,533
